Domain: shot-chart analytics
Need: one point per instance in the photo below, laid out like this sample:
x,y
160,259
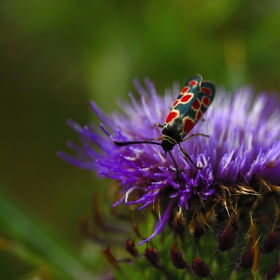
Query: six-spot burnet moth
x,y
192,102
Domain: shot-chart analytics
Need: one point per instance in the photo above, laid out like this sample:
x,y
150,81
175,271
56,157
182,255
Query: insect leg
x,y
189,158
197,134
159,125
176,167
159,138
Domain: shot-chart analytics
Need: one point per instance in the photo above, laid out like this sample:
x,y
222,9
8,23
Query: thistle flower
x,y
239,172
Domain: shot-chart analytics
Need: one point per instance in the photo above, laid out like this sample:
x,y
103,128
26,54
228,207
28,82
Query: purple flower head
x,y
243,146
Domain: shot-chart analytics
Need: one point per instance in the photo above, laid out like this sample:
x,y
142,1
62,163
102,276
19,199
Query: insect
x,y
192,102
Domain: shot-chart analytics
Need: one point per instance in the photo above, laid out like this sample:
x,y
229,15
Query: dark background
x,y
55,56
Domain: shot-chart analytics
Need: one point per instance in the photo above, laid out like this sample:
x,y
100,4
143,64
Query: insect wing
x,y
185,99
206,96
199,106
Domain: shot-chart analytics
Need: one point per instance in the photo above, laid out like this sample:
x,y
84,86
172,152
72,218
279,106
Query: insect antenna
x,y
121,144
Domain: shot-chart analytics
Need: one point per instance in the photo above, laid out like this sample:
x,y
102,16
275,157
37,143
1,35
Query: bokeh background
x,y
55,56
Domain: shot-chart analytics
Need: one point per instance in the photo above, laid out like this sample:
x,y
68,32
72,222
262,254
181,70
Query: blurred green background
x,y
57,55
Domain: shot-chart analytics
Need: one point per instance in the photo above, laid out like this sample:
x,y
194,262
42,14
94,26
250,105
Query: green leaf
x,y
34,245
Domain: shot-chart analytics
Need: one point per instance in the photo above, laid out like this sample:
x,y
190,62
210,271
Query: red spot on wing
x,y
188,125
185,89
199,115
193,83
175,103
171,116
206,101
196,105
206,90
187,97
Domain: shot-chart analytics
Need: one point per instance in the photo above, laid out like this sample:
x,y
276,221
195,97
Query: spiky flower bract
x,y
235,187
